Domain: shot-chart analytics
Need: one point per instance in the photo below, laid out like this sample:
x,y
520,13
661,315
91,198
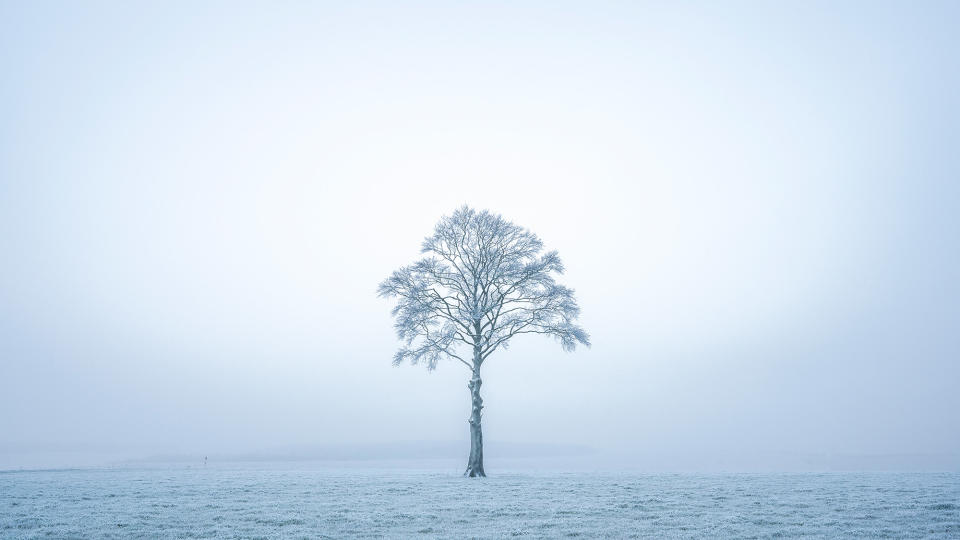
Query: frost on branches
x,y
483,280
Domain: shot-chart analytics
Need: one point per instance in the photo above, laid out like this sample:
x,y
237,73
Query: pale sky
x,y
757,204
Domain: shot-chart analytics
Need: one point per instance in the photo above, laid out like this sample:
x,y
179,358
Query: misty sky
x,y
757,204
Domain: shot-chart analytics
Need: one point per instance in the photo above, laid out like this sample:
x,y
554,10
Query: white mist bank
x,y
448,456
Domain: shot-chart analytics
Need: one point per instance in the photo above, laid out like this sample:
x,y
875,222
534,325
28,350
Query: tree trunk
x,y
475,463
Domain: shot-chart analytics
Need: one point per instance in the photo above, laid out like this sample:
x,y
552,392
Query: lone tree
x,y
483,281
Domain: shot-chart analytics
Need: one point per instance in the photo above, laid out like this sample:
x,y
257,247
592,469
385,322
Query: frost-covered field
x,y
292,502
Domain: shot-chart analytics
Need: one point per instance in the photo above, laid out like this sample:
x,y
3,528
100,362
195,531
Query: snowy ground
x,y
291,501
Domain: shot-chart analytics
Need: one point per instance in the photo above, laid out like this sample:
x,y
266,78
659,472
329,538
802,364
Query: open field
x,y
293,501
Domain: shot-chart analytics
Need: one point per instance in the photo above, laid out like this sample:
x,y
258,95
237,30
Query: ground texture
x,y
295,502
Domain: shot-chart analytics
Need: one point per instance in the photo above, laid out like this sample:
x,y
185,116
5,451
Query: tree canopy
x,y
483,280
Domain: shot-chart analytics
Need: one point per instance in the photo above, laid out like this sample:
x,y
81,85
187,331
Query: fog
x,y
757,205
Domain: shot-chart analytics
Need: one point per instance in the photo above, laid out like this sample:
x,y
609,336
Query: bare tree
x,y
484,280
